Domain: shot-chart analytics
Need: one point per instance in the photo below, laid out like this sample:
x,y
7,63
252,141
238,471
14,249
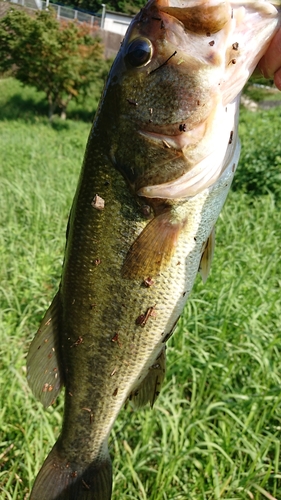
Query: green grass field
x,y
214,432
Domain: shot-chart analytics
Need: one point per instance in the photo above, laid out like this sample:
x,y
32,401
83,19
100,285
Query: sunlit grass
x,y
214,432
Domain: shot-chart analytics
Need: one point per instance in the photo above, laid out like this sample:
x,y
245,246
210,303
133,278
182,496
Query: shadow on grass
x,y
29,110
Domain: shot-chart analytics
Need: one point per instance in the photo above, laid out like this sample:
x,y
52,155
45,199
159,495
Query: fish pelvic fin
x,y
207,256
60,479
153,248
149,389
44,368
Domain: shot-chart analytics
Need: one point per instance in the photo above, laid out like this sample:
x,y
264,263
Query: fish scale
x,y
158,165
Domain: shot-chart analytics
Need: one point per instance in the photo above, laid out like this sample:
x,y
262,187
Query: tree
x,y
130,7
62,60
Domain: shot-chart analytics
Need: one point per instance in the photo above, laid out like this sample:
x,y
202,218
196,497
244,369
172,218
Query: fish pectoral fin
x,y
149,389
153,248
207,256
44,372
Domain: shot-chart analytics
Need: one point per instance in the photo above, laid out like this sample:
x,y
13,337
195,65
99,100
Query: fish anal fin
x,y
44,369
153,248
60,479
149,388
207,256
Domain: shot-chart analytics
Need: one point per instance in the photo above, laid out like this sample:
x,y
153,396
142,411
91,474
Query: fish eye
x,y
139,52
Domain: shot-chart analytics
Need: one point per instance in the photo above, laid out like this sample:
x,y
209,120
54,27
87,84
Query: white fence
x,y
62,12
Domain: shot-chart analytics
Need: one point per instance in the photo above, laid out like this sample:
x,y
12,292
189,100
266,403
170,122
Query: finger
x,y
271,61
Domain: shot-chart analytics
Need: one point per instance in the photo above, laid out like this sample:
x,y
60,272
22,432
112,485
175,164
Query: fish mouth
x,y
205,16
178,141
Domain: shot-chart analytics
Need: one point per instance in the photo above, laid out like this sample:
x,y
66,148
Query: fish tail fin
x,y
60,479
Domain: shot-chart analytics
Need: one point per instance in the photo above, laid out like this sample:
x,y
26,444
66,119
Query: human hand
x,y
270,64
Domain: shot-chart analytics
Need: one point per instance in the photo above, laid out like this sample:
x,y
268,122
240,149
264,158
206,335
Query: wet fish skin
x,y
141,222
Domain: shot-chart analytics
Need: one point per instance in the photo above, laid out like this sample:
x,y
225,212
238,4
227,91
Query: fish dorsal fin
x,y
44,372
202,18
149,388
153,248
207,256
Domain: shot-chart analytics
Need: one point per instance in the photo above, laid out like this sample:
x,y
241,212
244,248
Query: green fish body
x,y
158,166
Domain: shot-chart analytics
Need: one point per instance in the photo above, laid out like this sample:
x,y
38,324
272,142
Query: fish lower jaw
x,y
207,161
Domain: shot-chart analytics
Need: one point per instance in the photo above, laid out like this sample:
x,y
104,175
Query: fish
x,y
159,163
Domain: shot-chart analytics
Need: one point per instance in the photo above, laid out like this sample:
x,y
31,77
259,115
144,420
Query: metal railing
x,y
63,12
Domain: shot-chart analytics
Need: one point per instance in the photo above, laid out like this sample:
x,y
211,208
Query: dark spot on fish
x,y
86,486
47,388
198,103
154,367
115,339
143,318
156,18
182,127
98,202
146,210
235,46
134,103
148,282
115,392
77,342
231,13
97,262
92,306
212,43
140,320
195,239
208,33
233,61
73,474
50,355
230,137
178,263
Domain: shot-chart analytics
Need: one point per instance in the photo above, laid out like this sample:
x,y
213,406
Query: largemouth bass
x,y
158,166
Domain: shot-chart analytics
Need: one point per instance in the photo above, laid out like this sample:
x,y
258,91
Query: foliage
x,y
63,61
259,170
214,432
130,7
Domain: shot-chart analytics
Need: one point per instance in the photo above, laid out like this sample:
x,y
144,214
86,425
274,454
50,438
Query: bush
x,y
62,60
259,168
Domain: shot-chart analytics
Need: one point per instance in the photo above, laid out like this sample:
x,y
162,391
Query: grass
x,y
214,432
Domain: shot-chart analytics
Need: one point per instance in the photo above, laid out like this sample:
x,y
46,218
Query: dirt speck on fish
x,y
164,138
